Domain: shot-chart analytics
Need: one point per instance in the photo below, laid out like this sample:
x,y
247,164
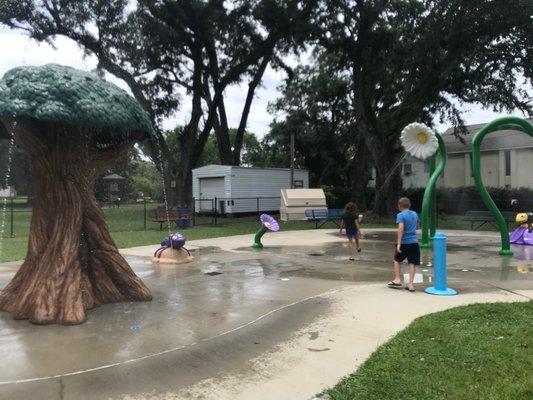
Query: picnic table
x,y
478,219
180,215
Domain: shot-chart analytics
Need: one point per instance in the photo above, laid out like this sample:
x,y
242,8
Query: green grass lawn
x,y
482,351
127,228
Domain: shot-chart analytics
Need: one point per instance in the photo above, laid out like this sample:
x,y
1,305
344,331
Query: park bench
x,y
181,215
323,216
478,219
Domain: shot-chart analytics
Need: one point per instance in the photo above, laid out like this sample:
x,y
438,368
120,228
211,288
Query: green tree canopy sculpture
x,y
73,125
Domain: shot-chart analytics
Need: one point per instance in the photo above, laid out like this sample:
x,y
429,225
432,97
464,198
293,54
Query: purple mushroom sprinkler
x,y
268,223
172,250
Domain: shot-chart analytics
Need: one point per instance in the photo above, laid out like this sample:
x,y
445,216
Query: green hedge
x,y
449,201
462,199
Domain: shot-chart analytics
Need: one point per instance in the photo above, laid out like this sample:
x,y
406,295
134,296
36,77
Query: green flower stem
x,y
504,123
428,203
433,210
257,240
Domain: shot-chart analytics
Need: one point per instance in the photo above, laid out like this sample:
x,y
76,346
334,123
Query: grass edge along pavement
x,y
126,228
479,351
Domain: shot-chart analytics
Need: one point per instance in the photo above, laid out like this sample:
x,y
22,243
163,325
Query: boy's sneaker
x,y
359,250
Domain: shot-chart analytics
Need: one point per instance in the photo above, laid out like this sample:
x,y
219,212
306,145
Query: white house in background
x,y
8,192
506,161
242,189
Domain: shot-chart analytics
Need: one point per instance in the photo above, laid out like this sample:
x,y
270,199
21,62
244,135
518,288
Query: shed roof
x,y
241,167
501,140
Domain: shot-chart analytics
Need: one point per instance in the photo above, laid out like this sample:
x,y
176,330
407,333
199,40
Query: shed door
x,y
209,189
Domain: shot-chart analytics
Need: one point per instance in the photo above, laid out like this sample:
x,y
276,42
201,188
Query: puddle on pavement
x,y
468,258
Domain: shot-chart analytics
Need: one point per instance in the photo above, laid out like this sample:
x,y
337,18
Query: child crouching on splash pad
x,y
350,221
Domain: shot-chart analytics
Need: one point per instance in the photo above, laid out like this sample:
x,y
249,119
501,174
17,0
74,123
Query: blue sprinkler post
x,y
439,263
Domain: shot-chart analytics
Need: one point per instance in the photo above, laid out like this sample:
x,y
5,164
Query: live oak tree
x,y
72,125
317,107
417,60
166,49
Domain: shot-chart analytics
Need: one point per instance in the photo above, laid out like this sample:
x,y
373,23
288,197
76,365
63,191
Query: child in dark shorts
x,y
350,221
407,244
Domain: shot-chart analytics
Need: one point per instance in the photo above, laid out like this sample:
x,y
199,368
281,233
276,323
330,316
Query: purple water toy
x,y
523,234
176,241
268,223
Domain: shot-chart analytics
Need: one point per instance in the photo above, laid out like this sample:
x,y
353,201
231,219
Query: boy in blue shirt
x,y
406,245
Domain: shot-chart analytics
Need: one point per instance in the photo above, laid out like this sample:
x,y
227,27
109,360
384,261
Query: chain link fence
x,y
142,215
15,212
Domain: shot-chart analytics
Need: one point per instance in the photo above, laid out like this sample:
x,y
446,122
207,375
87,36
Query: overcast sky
x,y
16,49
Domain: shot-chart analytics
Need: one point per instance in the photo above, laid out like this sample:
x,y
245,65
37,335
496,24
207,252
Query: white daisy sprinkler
x,y
419,140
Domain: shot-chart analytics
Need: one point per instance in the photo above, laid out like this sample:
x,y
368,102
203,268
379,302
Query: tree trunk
x,y
388,179
72,264
359,174
239,137
165,164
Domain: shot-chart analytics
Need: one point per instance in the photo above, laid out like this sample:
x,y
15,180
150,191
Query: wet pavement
x,y
210,316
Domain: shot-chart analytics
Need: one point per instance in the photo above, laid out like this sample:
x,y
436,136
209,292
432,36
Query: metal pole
x,y
258,205
193,209
144,212
12,215
215,210
439,262
292,161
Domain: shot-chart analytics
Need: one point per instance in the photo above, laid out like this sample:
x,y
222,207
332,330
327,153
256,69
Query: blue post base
x,y
445,292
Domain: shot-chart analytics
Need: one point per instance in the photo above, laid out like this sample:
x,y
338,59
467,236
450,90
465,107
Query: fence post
x,y
12,216
258,205
144,211
215,210
193,210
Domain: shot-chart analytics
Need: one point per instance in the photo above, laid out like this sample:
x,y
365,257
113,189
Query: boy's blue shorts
x,y
351,233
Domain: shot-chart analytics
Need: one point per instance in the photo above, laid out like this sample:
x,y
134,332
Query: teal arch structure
x,y
429,203
504,123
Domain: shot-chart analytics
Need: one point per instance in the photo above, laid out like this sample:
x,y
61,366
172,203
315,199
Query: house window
x,y
407,169
507,155
298,184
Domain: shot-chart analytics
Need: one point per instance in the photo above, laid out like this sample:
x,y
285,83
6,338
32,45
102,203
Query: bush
x,y
449,200
337,197
462,199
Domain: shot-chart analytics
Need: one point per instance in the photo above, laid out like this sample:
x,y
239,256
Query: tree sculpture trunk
x,y
72,264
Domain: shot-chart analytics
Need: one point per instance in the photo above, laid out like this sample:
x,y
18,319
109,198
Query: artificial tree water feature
x,y
73,126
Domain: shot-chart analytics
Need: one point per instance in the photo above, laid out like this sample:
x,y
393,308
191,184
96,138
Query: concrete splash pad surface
x,y
204,335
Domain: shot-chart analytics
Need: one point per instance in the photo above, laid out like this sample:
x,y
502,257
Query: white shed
x,y
242,189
